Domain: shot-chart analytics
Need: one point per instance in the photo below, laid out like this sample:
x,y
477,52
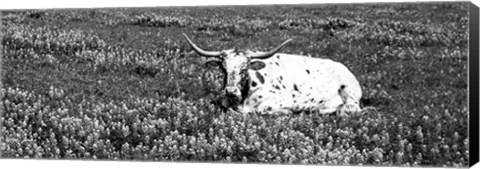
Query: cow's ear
x,y
213,63
256,65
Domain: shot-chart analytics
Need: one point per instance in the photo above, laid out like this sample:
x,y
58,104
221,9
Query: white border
x,y
52,164
79,164
44,4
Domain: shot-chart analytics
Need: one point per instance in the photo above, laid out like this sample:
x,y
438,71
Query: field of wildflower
x,y
123,84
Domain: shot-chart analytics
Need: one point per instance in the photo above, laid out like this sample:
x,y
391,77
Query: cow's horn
x,y
200,51
271,52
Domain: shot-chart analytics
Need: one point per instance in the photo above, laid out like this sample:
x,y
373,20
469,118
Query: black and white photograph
x,y
351,84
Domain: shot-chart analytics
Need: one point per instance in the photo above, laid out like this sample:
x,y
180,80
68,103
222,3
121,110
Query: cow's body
x,y
271,82
293,83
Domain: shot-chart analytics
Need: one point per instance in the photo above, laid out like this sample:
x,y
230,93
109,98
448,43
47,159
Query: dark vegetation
x,y
123,84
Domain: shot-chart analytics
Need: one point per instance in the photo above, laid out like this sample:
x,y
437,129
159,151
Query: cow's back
x,y
299,82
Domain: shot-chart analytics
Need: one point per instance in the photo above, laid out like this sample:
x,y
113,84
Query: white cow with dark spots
x,y
271,82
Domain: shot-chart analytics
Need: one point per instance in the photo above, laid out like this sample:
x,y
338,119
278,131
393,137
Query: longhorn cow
x,y
271,82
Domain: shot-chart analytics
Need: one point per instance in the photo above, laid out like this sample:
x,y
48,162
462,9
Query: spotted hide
x,y
271,82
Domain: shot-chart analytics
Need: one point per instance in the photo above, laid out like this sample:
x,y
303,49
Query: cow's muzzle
x,y
232,92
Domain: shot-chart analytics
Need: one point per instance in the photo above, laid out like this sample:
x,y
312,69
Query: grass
x,y
122,84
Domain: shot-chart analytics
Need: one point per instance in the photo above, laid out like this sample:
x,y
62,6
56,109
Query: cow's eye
x,y
243,71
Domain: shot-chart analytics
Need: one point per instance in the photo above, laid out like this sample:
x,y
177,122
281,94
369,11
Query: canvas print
x,y
377,84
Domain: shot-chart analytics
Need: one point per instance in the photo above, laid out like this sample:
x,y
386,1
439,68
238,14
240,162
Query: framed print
x,y
371,84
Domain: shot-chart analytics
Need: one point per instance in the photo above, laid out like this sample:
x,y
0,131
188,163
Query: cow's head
x,y
235,64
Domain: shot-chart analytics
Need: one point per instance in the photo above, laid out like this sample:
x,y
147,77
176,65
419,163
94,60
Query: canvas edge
x,y
473,84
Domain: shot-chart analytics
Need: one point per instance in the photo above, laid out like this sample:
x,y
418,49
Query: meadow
x,y
123,84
